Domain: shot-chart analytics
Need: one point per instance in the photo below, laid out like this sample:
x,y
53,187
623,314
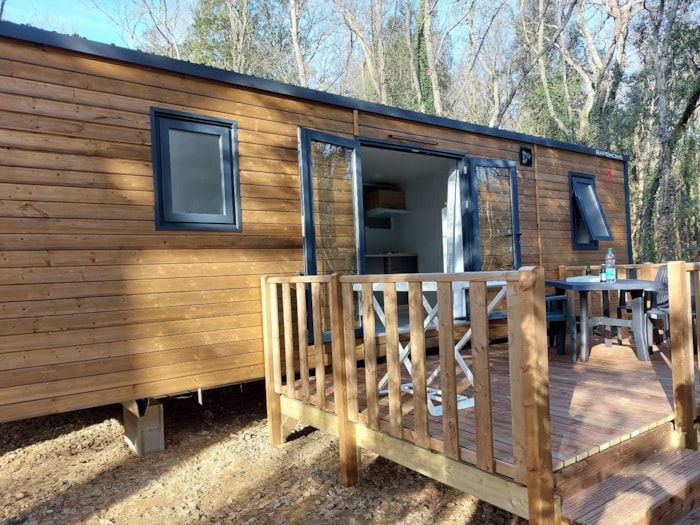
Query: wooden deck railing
x,y
296,359
684,291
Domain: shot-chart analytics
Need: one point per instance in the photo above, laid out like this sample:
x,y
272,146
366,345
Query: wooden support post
x,y
696,296
530,394
347,441
682,353
274,408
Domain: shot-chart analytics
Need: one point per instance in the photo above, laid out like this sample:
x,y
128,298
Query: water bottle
x,y
610,271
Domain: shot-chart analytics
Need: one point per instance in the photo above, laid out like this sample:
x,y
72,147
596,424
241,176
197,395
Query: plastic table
x,y
636,288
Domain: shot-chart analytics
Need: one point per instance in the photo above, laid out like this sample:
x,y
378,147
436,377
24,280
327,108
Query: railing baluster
x,y
347,306
288,338
419,376
370,354
393,361
317,320
303,341
448,382
515,365
275,336
482,376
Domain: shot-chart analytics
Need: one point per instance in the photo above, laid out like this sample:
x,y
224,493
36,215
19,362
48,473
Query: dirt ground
x,y
217,467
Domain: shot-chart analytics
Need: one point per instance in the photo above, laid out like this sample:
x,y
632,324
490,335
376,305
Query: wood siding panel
x,y
97,306
553,167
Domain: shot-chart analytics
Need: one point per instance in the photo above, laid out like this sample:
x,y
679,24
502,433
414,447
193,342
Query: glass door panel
x,y
332,168
496,198
331,210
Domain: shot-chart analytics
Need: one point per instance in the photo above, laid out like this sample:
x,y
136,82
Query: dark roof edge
x,y
111,51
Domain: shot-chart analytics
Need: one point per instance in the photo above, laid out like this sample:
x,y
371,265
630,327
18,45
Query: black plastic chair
x,y
659,311
659,308
558,316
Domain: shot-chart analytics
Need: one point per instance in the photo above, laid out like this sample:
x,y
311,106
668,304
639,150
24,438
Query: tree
x,y
602,30
484,46
295,19
365,21
155,26
247,36
401,73
438,21
669,46
536,42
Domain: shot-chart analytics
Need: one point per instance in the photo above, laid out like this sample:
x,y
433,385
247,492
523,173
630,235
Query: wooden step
x,y
662,489
691,519
598,466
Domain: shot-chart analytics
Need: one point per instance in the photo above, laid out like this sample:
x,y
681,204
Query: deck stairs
x,y
640,481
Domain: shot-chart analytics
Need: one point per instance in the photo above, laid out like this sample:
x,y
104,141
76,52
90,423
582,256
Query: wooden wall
x,y
553,205
97,306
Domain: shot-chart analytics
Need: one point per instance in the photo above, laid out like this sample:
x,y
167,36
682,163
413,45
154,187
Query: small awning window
x,y
587,212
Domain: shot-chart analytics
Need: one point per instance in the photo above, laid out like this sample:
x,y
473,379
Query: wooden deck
x,y
594,405
541,432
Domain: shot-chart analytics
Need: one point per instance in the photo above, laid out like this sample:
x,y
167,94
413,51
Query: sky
x,y
65,16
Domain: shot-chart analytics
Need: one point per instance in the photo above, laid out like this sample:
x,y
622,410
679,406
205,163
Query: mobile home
x,y
144,197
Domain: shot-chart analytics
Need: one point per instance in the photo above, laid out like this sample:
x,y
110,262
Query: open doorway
x,y
408,225
385,208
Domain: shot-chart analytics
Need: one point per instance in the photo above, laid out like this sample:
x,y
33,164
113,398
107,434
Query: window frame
x,y
589,213
162,121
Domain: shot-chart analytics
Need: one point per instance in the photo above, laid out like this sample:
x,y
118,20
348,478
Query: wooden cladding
x,y
97,306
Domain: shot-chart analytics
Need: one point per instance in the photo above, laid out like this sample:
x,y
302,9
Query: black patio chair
x,y
558,316
659,311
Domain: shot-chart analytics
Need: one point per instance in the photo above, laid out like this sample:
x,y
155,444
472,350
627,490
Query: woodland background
x,y
617,75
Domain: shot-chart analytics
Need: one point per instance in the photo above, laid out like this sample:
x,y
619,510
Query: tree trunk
x,y
298,55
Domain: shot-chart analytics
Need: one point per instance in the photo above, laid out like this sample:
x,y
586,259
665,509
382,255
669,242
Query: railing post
x,y
682,353
696,297
347,441
529,370
274,407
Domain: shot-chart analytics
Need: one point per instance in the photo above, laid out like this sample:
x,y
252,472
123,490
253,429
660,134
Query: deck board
x,y
593,405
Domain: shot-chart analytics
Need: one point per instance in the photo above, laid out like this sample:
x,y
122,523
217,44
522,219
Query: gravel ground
x,y
217,467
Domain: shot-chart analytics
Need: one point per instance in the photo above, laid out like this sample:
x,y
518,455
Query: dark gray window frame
x,y
586,212
162,121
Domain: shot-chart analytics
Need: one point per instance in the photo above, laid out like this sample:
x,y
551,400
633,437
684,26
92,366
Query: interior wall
x,y
421,231
383,240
